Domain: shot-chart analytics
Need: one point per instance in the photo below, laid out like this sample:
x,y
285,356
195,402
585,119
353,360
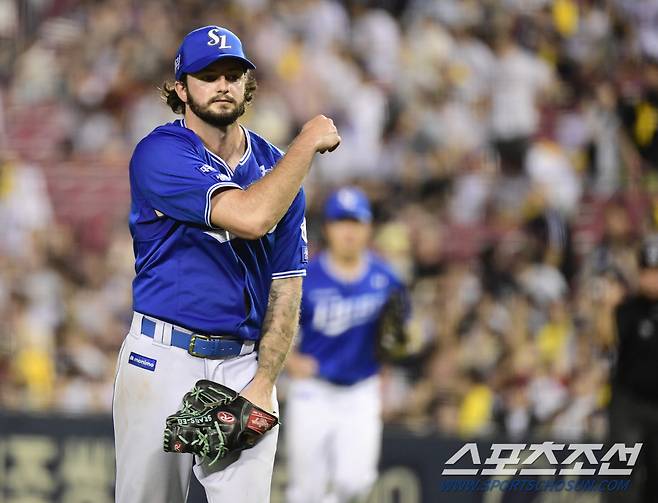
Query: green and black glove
x,y
215,421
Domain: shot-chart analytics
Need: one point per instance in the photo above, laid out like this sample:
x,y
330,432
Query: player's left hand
x,y
259,393
215,421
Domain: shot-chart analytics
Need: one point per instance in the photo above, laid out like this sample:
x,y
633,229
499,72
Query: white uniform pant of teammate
x,y
333,440
142,401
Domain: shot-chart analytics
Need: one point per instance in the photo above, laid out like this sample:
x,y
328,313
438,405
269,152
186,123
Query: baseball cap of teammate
x,y
648,257
348,203
206,45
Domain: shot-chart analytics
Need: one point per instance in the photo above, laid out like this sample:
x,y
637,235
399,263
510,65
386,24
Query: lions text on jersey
x,y
339,318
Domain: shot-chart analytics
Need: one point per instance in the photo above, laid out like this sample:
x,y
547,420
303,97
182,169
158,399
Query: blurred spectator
x,y
604,149
25,208
615,251
476,407
639,111
519,80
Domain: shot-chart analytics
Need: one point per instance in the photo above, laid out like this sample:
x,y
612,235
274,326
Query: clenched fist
x,y
321,132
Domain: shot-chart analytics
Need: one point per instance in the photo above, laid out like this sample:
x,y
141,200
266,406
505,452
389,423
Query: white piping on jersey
x,y
299,273
220,235
245,156
278,150
212,189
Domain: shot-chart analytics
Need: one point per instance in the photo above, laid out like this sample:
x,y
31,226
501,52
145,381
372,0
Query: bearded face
x,y
219,112
216,94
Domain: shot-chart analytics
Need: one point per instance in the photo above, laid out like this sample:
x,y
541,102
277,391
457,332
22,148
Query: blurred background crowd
x,y
510,148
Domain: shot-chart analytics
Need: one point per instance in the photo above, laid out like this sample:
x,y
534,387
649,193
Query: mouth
x,y
221,100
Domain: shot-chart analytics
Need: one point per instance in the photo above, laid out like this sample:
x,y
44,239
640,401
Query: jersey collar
x,y
330,271
243,159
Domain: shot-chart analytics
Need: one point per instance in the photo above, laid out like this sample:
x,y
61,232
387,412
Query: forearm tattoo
x,y
280,326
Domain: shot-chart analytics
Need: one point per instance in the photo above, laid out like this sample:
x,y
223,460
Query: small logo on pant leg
x,y
143,362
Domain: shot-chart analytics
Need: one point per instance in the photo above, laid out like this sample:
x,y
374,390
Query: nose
x,y
222,84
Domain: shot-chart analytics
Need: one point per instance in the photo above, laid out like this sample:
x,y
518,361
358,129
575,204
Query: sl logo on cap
x,y
217,39
348,198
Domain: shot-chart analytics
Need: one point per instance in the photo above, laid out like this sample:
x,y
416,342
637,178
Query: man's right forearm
x,y
274,193
253,212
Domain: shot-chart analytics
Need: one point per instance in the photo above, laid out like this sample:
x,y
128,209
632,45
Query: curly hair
x,y
170,97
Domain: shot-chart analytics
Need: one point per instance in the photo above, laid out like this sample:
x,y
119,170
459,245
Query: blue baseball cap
x,y
348,203
206,45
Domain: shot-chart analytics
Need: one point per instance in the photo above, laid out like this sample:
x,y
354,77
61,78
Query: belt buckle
x,y
193,339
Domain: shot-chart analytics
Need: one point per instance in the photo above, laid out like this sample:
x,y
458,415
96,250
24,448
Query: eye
x,y
205,76
233,76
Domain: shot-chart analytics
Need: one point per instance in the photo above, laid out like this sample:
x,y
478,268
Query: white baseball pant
x,y
333,440
143,398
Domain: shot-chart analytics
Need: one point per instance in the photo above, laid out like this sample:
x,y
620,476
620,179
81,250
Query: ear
x,y
181,90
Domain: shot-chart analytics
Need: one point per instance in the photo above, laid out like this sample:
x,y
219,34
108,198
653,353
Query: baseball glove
x,y
215,421
392,336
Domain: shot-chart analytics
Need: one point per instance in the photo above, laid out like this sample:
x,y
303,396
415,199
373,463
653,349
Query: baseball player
x,y
217,221
333,409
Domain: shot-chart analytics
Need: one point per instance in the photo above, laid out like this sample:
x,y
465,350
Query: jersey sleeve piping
x,y
299,273
209,194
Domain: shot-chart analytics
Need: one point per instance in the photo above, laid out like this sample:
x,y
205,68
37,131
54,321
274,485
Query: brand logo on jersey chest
x,y
379,281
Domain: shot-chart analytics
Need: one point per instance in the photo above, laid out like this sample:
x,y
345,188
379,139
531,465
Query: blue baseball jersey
x,y
188,272
339,319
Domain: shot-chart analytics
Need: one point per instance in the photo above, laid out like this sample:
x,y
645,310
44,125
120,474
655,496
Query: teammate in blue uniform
x,y
333,412
217,221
